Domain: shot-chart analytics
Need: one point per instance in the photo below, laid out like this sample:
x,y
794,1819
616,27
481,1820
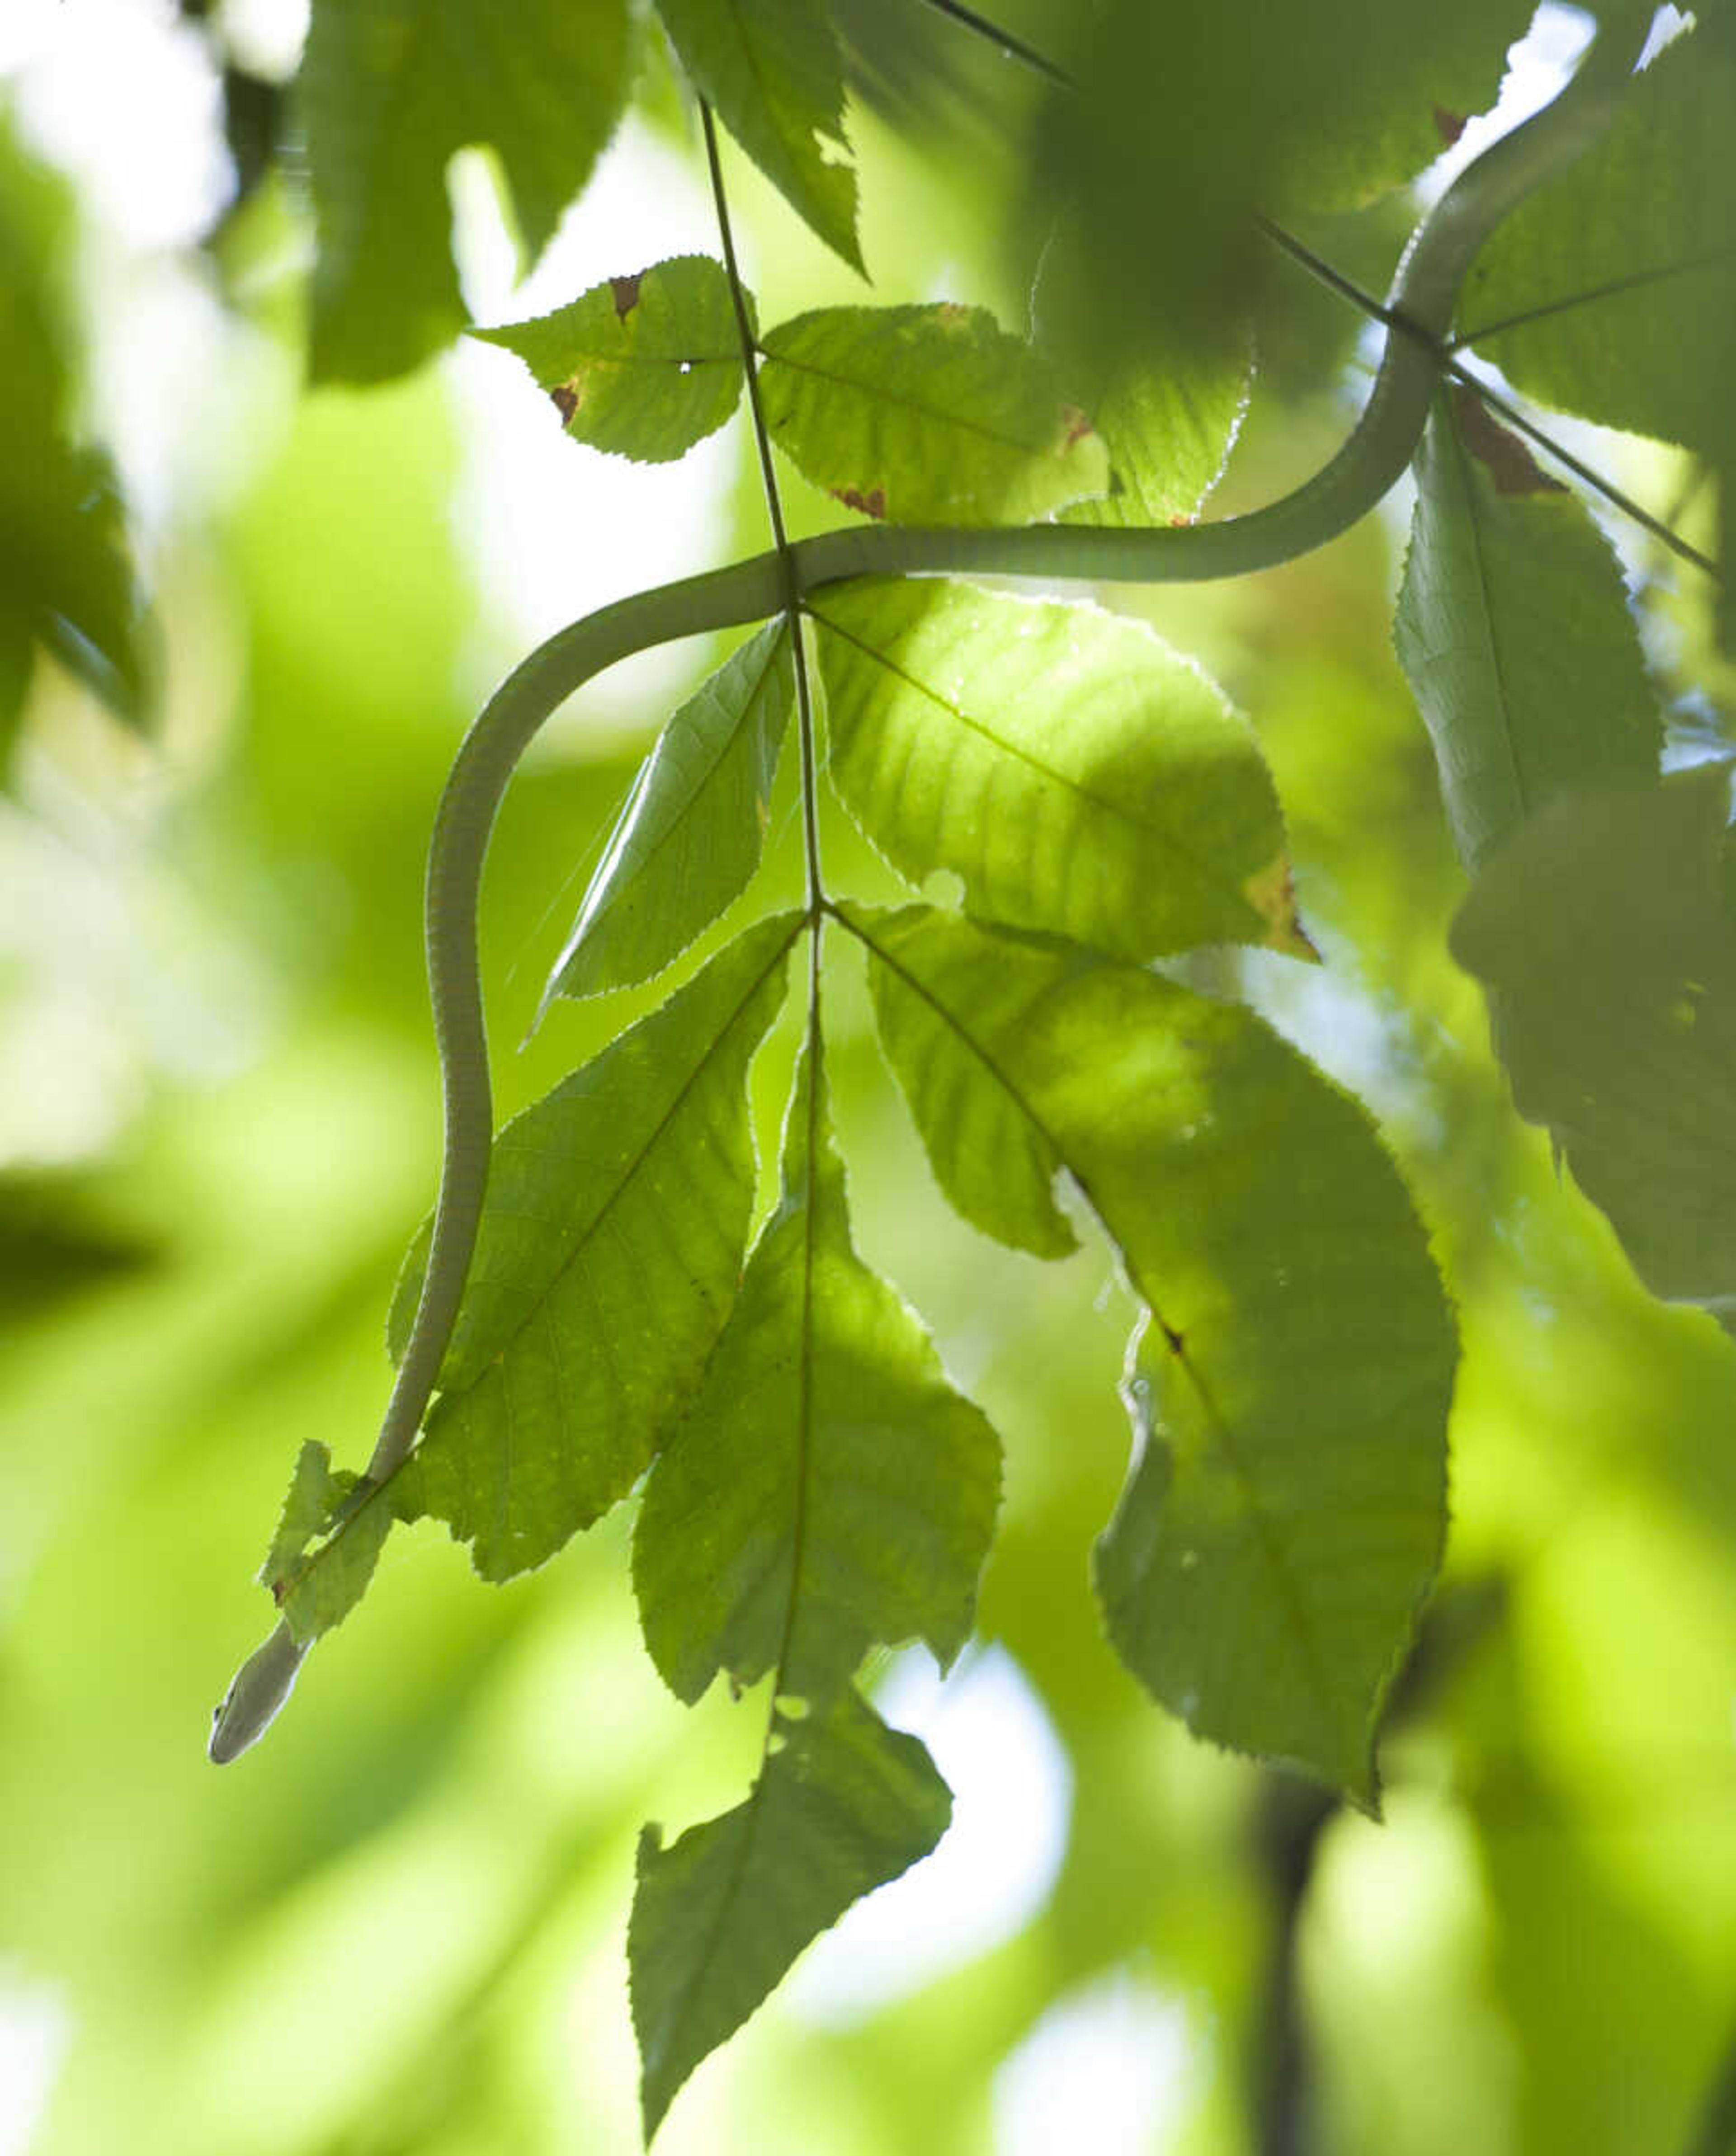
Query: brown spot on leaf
x,y
565,398
1077,426
1509,463
1180,520
872,504
626,294
1271,893
1448,126
951,314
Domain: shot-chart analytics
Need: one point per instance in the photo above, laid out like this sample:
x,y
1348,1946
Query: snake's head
x,y
264,1681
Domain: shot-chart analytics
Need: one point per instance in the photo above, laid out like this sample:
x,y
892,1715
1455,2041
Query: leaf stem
x,y
774,511
1010,46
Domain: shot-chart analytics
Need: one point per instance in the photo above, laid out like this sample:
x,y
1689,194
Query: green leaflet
x,y
1168,419
771,69
926,415
828,1490
618,1209
646,365
1284,1515
1513,629
1602,932
1653,195
842,1805
691,834
1078,775
66,580
1657,354
317,1589
389,88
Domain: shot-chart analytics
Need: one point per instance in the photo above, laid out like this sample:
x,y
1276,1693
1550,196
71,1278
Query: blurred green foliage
x,y
402,1928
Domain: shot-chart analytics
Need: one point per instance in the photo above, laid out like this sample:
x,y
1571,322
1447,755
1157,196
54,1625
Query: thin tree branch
x,y
774,510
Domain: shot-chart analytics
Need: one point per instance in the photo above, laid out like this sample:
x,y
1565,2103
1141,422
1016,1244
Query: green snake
x,y
1417,316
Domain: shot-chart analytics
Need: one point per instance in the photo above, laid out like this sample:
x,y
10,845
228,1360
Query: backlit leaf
x,y
609,1251
1168,418
1077,774
842,1805
1512,626
1283,1518
1603,935
772,70
643,365
390,90
691,832
328,1540
828,1490
926,415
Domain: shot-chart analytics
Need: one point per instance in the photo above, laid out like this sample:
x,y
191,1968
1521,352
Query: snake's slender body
x,y
1418,314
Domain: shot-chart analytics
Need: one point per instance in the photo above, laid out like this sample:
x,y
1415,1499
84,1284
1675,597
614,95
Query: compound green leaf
x,y
1078,775
390,90
610,1252
772,70
646,365
1603,935
828,1490
842,1805
328,1540
926,415
691,834
1513,629
1284,1515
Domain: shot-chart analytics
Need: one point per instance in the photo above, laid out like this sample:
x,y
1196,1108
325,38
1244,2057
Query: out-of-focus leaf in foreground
x,y
66,581
1605,935
390,90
